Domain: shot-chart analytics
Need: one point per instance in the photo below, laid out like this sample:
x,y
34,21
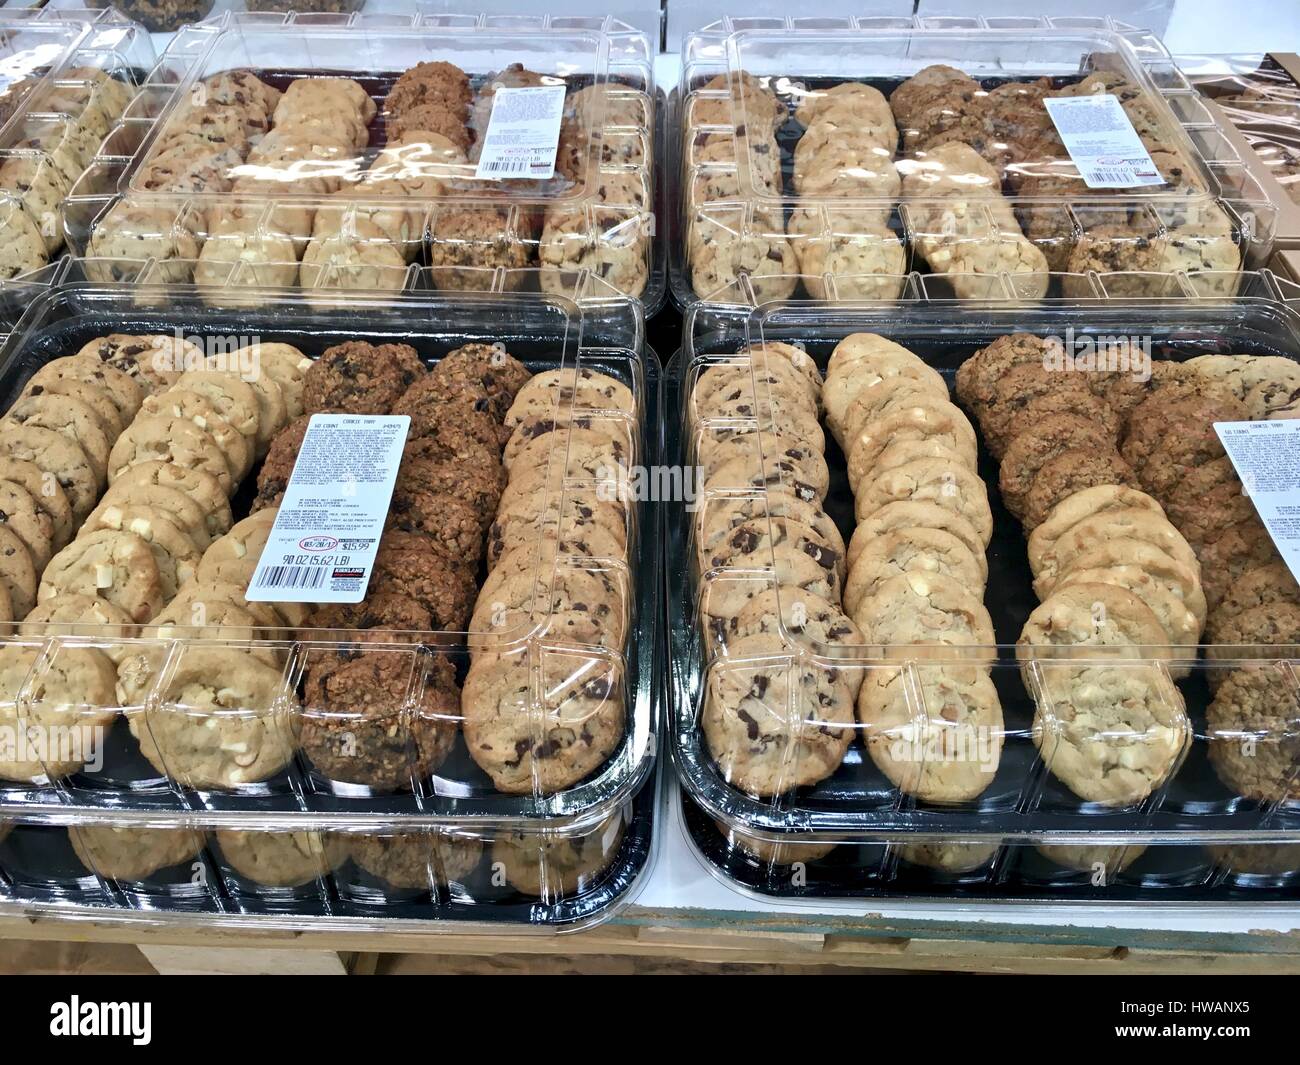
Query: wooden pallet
x,y
646,941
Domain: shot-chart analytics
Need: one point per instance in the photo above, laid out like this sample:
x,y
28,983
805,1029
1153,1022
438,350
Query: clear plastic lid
x,y
863,148
67,78
304,145
946,568
1260,96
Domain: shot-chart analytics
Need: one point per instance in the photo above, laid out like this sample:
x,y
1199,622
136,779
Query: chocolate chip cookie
x,y
360,378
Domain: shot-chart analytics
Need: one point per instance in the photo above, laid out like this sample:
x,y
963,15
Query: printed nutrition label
x,y
1266,456
522,134
1102,142
322,547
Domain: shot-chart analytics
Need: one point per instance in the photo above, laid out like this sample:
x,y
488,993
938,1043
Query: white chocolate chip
x,y
103,576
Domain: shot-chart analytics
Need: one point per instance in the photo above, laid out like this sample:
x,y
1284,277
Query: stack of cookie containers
x,y
268,202
1116,716
324,690
917,569
769,570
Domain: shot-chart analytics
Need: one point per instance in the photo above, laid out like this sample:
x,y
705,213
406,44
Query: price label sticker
x,y
1266,456
523,133
1102,142
326,534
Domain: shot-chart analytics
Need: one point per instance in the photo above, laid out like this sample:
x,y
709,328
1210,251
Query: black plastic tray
x,y
40,872
1170,872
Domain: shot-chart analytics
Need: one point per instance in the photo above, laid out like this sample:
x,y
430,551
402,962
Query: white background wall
x,y
1192,26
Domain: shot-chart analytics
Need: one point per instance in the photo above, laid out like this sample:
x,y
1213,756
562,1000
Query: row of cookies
x,y
355,725
723,137
554,866
1252,594
543,701
433,97
846,151
605,149
195,439
142,546
770,573
917,566
1109,569
47,157
1112,731
57,442
965,229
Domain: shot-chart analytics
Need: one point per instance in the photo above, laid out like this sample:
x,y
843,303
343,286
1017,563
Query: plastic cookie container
x,y
498,680
69,78
1093,869
852,151
422,879
1258,96
345,708
338,151
947,574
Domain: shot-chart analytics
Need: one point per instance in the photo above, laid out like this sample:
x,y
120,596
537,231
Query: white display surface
x,y
681,882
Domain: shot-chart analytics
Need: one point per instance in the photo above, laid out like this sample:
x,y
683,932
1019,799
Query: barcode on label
x,y
1117,177
292,577
510,167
